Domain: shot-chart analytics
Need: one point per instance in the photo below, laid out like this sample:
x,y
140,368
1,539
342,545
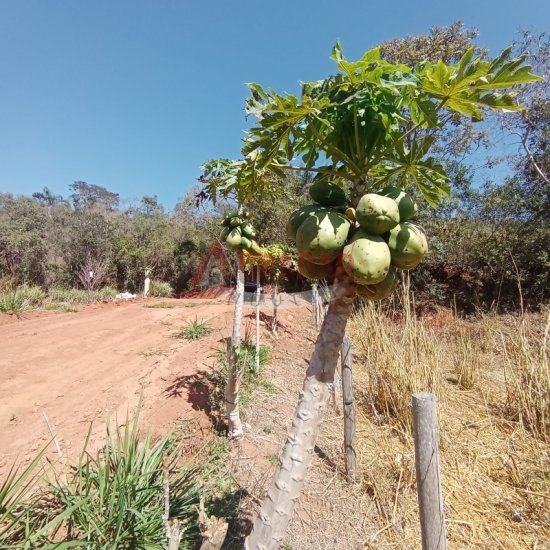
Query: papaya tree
x,y
370,126
236,181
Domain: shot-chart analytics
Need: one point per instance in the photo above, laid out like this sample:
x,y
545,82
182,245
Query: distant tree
x,y
150,206
23,247
46,197
88,195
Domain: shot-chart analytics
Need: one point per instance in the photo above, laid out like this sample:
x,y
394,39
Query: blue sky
x,y
134,95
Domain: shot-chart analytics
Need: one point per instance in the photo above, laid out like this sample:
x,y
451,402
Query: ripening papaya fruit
x,y
255,249
376,214
298,216
408,245
246,243
407,207
322,236
366,259
248,230
225,233
314,271
381,290
234,238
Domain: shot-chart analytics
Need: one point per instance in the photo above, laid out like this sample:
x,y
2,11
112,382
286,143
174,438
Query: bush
x,y
160,289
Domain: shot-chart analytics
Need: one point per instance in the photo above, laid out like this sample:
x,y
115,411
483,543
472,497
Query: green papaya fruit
x,y
235,221
234,238
327,194
298,216
407,207
226,222
225,233
381,290
366,259
322,236
408,245
246,243
315,271
377,214
248,230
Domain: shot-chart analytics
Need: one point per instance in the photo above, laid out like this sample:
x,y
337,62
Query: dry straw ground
x,y
490,376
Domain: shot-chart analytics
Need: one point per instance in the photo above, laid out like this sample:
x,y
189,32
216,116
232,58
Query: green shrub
x,y
251,379
160,289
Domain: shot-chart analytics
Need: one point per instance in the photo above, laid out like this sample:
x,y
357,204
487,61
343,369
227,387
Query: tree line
x,y
486,240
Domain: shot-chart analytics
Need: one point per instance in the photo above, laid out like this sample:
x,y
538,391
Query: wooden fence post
x,y
349,409
428,481
258,299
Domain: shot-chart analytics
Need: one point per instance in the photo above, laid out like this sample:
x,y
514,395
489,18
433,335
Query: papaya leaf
x,y
470,84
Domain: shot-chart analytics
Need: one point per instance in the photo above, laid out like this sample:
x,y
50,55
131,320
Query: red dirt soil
x,y
80,367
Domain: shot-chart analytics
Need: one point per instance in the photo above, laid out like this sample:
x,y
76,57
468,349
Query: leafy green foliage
x,y
361,122
251,378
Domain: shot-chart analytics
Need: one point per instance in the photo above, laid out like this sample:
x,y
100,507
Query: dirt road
x,y
76,368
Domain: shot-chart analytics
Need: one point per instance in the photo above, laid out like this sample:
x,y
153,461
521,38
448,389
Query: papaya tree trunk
x,y
258,298
277,508
234,426
350,451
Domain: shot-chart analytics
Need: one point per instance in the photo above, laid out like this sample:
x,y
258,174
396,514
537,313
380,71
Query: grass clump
x,y
467,355
160,289
65,308
106,293
194,331
111,499
251,377
160,305
68,295
400,359
493,438
12,301
34,296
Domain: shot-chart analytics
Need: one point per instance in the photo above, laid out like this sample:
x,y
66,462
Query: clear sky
x,y
134,95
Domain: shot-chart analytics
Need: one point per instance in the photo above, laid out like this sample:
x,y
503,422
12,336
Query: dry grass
x,y
492,383
526,352
402,357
